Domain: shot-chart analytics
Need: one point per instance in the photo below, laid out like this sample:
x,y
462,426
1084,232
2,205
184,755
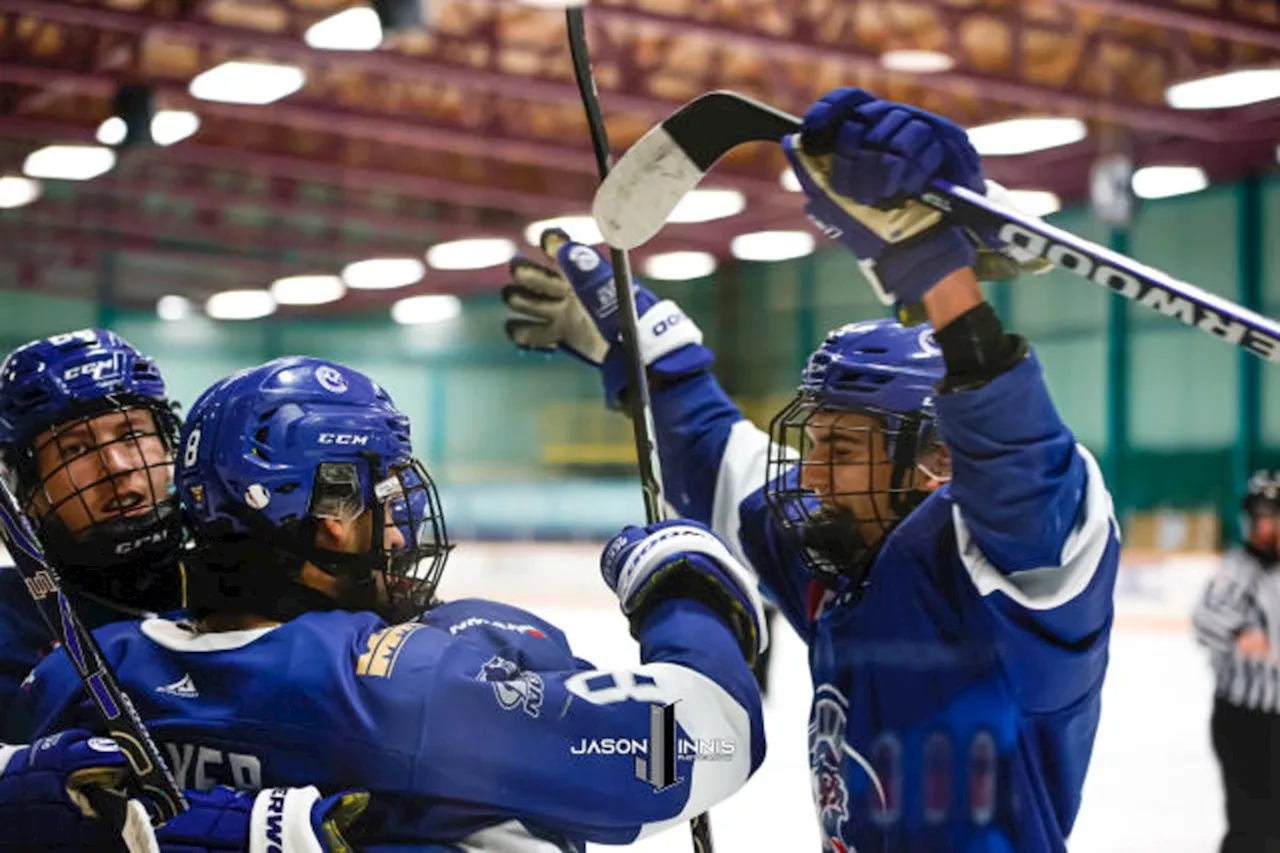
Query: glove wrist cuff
x,y
907,271
281,821
665,328
670,345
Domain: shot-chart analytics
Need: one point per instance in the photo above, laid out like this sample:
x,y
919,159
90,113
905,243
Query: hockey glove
x,y
861,160
46,790
684,559
575,309
65,792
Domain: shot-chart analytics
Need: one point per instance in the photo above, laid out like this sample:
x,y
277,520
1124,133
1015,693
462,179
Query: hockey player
x,y
1238,620
86,440
471,723
940,541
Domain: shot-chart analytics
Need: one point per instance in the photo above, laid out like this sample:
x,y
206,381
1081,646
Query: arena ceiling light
x,y
1036,202
428,308
69,162
581,227
111,131
240,305
1167,181
354,29
789,181
474,254
172,308
1025,135
680,266
772,245
1232,89
254,83
917,61
15,191
307,289
170,126
167,127
707,205
383,273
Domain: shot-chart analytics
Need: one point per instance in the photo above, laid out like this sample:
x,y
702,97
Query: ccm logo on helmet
x,y
98,371
345,439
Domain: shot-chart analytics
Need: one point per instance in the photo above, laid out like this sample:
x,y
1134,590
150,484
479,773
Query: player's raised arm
x,y
514,723
1033,517
713,459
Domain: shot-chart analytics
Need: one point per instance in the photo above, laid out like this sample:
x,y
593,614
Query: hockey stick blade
x,y
645,185
633,204
123,723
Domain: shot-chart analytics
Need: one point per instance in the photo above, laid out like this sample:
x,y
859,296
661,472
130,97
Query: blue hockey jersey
x,y
25,639
475,727
956,699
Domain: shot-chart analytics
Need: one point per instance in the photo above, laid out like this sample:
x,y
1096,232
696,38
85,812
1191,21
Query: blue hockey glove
x,y
281,820
64,793
860,160
684,559
575,309
45,791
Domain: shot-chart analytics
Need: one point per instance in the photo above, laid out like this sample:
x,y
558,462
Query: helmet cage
x,y
800,511
398,581
94,537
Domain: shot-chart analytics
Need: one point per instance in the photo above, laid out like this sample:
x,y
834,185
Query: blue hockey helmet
x,y
266,454
87,434
862,419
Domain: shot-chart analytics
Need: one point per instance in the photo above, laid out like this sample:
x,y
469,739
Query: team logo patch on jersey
x,y
384,648
826,755
512,686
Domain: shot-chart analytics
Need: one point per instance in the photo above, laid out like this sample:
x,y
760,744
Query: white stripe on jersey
x,y
1047,587
705,711
180,637
6,755
742,471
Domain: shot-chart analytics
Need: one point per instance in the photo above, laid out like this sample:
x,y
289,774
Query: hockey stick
x,y
123,723
633,203
638,399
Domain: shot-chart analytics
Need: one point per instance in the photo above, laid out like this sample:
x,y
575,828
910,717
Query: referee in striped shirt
x,y
1238,620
